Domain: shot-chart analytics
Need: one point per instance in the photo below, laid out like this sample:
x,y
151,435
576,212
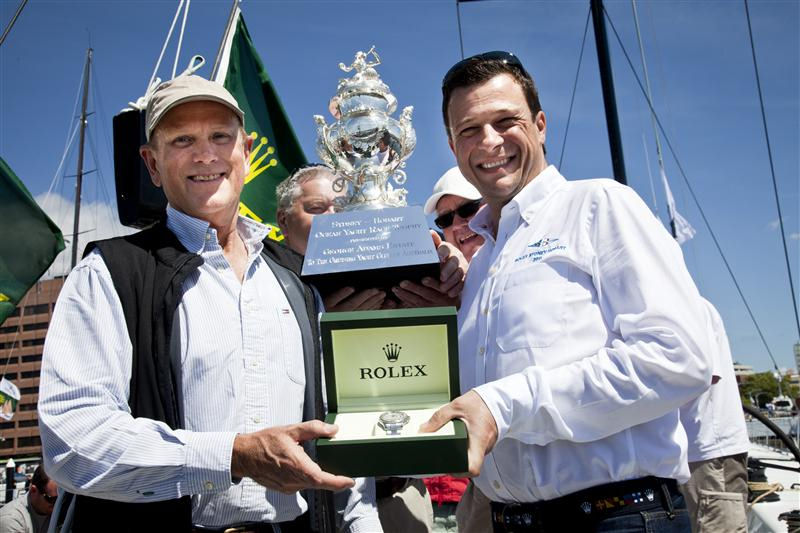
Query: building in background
x,y
21,342
742,372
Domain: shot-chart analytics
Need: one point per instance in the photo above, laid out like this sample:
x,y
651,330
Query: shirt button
x,y
209,485
208,236
485,310
481,350
496,484
256,420
220,268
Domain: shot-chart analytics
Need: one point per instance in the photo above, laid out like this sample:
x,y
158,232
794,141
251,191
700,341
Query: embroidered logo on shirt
x,y
536,251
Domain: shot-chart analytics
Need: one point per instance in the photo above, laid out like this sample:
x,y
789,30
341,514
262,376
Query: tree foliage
x,y
762,388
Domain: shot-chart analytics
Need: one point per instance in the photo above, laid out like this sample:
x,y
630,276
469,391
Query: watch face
x,y
392,422
394,417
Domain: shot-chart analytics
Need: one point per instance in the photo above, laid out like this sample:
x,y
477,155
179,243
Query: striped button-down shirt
x,y
243,371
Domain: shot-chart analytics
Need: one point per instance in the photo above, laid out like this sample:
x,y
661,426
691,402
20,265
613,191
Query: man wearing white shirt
x,y
182,360
716,494
581,332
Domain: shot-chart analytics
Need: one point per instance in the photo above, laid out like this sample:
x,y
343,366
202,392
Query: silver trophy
x,y
373,231
366,146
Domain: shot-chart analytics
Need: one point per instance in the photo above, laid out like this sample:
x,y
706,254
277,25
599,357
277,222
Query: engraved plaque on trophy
x,y
374,239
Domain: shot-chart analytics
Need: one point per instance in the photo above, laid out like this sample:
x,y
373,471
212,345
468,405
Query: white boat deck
x,y
763,516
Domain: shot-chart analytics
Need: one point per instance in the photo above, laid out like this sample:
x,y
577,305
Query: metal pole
x,y
79,181
10,481
228,29
609,99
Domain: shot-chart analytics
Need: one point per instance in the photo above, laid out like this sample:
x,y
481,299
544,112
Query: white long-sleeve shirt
x,y
583,333
242,371
714,421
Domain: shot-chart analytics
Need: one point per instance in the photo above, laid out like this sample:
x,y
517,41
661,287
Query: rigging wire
x,y
460,38
164,47
574,87
659,151
180,38
691,190
772,167
13,20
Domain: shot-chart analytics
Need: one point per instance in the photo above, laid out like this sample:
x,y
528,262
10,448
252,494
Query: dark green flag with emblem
x,y
29,241
276,152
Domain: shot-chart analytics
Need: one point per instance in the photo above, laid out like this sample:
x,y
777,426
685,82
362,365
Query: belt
x,y
298,525
586,506
247,527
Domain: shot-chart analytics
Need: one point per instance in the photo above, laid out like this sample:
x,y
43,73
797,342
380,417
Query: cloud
x,y
775,224
98,220
794,236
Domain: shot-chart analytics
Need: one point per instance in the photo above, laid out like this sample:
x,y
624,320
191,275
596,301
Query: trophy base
x,y
369,248
382,278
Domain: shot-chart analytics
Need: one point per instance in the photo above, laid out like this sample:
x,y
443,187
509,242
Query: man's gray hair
x,y
289,190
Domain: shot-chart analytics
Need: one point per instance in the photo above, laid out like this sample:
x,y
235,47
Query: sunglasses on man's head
x,y
464,211
506,57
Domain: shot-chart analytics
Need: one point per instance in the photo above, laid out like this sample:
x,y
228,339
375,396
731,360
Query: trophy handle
x,y
399,176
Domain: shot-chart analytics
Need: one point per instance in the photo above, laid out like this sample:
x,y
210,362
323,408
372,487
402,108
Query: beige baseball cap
x,y
186,89
451,182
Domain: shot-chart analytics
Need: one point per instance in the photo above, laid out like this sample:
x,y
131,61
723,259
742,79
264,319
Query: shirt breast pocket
x,y
292,347
531,308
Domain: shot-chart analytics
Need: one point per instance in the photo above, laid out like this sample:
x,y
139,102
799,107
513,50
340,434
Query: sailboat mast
x,y
609,98
79,175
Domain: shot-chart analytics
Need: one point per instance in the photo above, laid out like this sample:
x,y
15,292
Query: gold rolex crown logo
x,y
392,351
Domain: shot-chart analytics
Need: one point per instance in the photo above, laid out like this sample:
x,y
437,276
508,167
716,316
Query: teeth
x,y
495,164
207,177
462,240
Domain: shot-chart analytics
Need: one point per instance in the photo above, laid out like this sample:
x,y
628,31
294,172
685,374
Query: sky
x,y
699,61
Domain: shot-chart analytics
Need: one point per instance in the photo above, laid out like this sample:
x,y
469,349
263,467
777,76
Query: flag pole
x,y
228,30
79,181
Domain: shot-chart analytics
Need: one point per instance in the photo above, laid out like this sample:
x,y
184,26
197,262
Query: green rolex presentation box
x,y
397,360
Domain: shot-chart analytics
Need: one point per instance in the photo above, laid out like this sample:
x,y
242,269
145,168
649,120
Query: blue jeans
x,y
653,521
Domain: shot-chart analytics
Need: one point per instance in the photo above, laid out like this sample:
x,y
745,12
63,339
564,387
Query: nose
x,y
204,151
490,137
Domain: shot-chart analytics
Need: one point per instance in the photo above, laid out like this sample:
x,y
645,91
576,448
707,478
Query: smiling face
x,y
198,155
458,233
497,142
315,198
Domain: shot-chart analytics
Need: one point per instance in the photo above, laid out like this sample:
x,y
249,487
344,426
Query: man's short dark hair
x,y
481,68
40,479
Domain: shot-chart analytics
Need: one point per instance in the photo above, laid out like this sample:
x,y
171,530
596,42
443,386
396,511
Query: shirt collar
x,y
197,235
526,202
534,194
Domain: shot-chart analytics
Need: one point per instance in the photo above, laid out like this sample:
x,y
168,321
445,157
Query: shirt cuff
x,y
208,461
495,395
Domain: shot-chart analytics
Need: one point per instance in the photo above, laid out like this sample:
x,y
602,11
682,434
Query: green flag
x,y
29,241
276,152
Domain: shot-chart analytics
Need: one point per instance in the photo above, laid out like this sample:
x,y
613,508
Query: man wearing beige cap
x,y
455,201
182,360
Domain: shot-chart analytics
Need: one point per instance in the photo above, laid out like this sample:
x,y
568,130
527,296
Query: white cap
x,y
451,182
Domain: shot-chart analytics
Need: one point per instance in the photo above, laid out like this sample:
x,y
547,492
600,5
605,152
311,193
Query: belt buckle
x,y
237,529
517,518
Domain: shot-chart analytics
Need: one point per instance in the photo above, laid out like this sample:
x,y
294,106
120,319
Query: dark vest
x,y
148,269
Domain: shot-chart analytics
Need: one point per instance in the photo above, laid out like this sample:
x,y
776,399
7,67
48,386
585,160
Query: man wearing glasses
x,y
580,330
31,513
455,201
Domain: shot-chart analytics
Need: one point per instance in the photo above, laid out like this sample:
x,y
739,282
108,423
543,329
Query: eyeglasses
x,y
506,57
49,499
464,211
